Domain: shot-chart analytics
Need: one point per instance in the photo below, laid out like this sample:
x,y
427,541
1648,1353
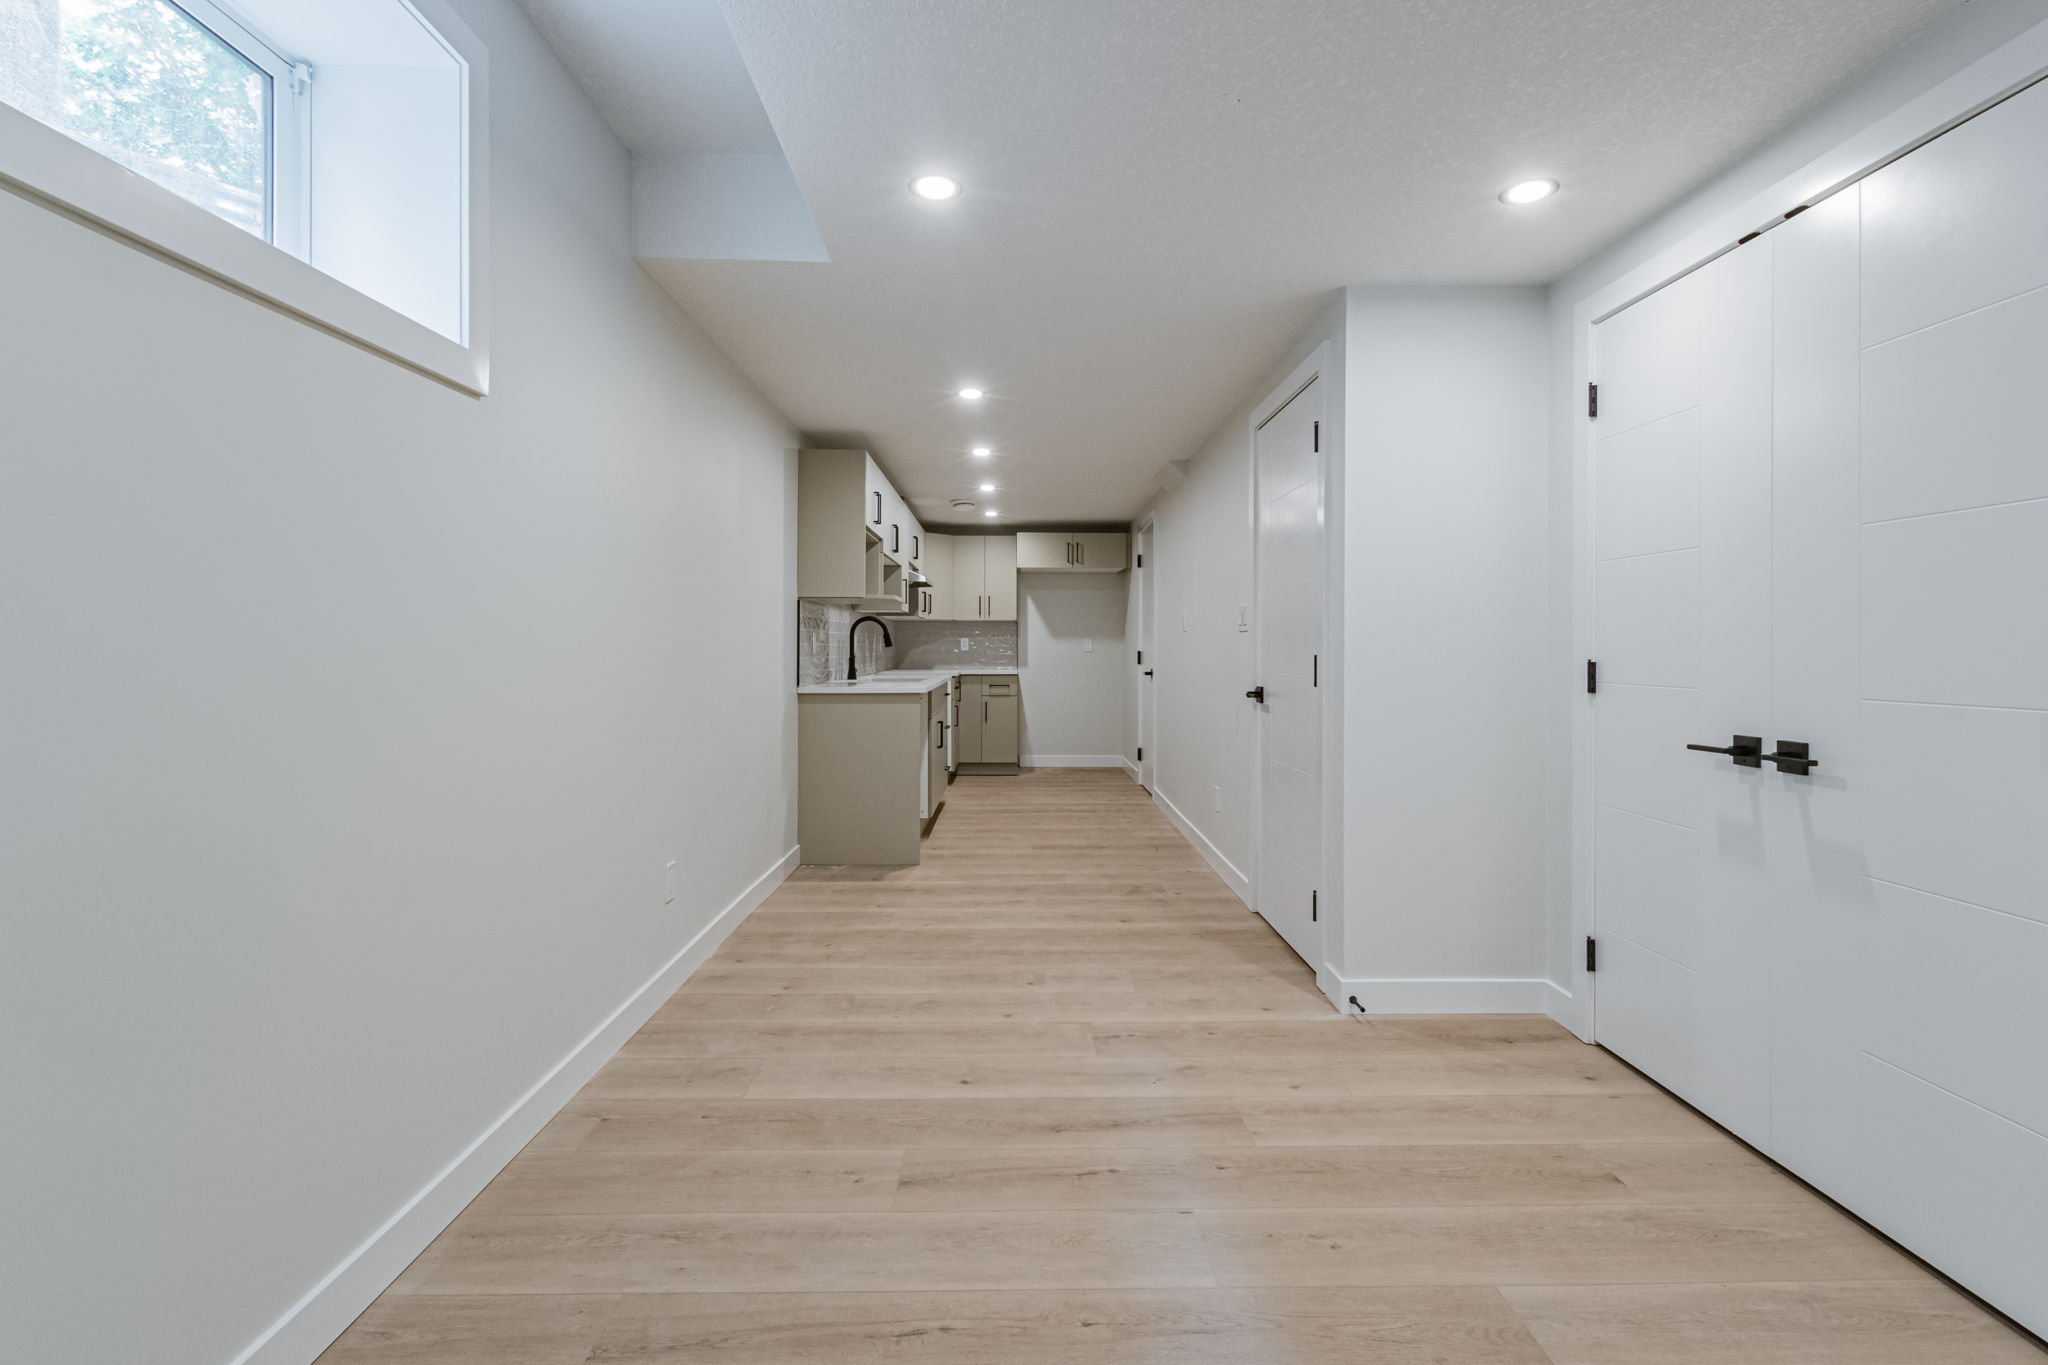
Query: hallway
x,y
1056,1096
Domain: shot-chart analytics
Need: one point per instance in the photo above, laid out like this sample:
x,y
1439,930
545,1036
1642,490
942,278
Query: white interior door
x,y
1288,498
1142,581
1898,891
1912,625
1682,492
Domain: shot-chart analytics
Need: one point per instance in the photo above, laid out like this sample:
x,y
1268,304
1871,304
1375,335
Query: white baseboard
x,y
1452,995
1561,1005
1132,769
1212,855
1073,761
312,1324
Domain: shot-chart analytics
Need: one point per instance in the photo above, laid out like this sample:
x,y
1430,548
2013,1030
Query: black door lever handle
x,y
1794,756
1746,750
1257,693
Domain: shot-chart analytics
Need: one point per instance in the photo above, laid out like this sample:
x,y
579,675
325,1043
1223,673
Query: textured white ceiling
x,y
1161,193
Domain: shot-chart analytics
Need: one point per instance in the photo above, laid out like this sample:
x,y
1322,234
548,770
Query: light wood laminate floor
x,y
1056,1098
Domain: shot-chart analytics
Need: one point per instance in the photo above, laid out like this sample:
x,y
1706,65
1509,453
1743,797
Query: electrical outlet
x,y
1218,792
668,885
963,644
1087,646
1244,618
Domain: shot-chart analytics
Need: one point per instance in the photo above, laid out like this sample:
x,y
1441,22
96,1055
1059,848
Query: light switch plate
x,y
1087,646
963,644
668,885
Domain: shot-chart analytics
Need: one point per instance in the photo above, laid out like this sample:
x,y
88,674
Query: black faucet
x,y
851,671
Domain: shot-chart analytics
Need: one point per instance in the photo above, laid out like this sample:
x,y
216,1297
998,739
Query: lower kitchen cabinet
x,y
937,721
871,773
991,723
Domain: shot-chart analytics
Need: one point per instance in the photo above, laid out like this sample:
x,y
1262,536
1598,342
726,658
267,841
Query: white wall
x,y
1073,695
1445,588
349,723
1202,573
1437,516
1976,50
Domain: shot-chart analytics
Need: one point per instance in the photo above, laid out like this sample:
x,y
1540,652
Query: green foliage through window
x,y
146,84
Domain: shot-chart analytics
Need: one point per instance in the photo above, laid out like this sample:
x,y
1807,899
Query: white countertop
x,y
897,682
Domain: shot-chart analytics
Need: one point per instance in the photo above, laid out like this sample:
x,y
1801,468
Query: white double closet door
x,y
1821,516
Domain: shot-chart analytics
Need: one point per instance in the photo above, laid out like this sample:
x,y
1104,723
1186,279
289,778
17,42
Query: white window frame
x,y
45,165
289,191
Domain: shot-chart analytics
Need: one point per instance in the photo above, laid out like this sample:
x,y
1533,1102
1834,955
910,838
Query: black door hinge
x,y
1315,670
1141,753
1592,400
1141,656
1592,954
1319,438
1592,676
1315,909
1141,561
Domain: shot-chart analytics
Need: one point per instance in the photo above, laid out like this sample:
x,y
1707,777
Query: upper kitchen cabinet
x,y
881,494
1073,551
848,518
936,564
983,583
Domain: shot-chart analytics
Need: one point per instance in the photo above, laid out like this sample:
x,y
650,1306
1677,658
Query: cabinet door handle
x,y
895,538
878,507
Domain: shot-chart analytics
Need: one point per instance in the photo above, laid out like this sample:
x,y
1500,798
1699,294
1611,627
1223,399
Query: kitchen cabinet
x,y
1039,551
984,578
871,771
937,565
1073,551
937,722
953,695
895,531
848,518
875,507
999,576
991,724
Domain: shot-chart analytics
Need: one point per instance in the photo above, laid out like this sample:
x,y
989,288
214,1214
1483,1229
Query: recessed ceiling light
x,y
937,188
1528,192
988,488
982,452
970,394
991,512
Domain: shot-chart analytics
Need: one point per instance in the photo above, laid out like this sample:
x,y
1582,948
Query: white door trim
x,y
1315,367
1144,593
1989,80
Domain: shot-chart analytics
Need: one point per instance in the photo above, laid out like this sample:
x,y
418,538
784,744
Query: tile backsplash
x,y
936,644
821,643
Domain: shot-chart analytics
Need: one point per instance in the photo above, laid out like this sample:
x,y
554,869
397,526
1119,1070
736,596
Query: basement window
x,y
323,155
